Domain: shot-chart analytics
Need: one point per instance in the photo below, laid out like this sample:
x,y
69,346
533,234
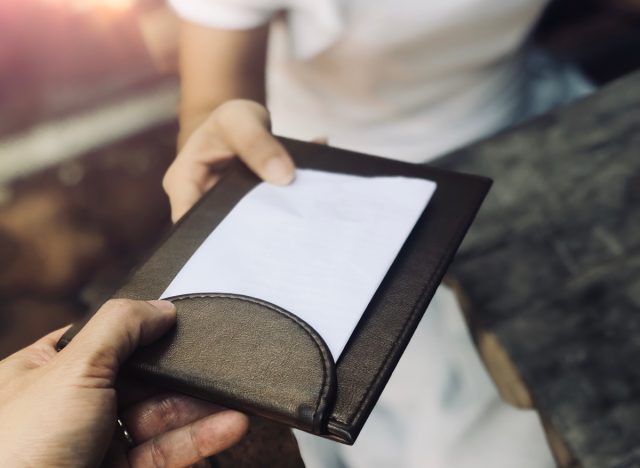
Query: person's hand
x,y
60,409
236,128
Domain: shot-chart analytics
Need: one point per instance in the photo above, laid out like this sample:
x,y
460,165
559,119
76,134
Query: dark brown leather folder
x,y
247,354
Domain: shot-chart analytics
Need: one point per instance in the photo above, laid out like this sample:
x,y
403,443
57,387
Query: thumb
x,y
116,330
245,128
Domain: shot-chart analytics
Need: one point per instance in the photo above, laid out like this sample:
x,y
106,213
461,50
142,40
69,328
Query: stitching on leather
x,y
403,332
299,322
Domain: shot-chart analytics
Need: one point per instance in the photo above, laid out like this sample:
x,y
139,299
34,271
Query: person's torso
x,y
404,77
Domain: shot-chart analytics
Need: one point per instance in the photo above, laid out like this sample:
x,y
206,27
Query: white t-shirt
x,y
408,79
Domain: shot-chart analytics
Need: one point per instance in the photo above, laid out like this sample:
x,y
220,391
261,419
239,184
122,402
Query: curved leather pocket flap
x,y
246,354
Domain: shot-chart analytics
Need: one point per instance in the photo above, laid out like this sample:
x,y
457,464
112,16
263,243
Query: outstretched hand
x,y
236,128
60,409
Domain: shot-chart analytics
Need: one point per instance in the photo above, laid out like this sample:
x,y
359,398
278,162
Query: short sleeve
x,y
312,24
227,14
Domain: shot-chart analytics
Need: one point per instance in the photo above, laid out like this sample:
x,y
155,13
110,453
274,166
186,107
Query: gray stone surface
x,y
552,266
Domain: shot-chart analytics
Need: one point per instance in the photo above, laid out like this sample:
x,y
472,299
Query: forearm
x,y
222,113
217,66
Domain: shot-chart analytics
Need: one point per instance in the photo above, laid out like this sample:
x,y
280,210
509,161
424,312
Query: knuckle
x,y
225,110
120,305
254,107
126,313
157,455
167,180
229,113
195,442
168,411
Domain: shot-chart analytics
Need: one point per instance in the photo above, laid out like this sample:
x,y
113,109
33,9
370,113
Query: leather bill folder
x,y
245,353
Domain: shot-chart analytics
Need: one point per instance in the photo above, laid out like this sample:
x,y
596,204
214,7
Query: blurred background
x,y
88,96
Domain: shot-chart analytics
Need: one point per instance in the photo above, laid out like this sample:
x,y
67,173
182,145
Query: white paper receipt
x,y
318,248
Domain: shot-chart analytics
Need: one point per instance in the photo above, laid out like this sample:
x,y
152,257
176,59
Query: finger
x,y
50,340
245,128
183,198
193,442
191,175
45,345
34,355
43,350
163,413
115,331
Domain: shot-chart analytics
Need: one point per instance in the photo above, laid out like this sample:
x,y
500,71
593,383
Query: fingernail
x,y
279,171
164,306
